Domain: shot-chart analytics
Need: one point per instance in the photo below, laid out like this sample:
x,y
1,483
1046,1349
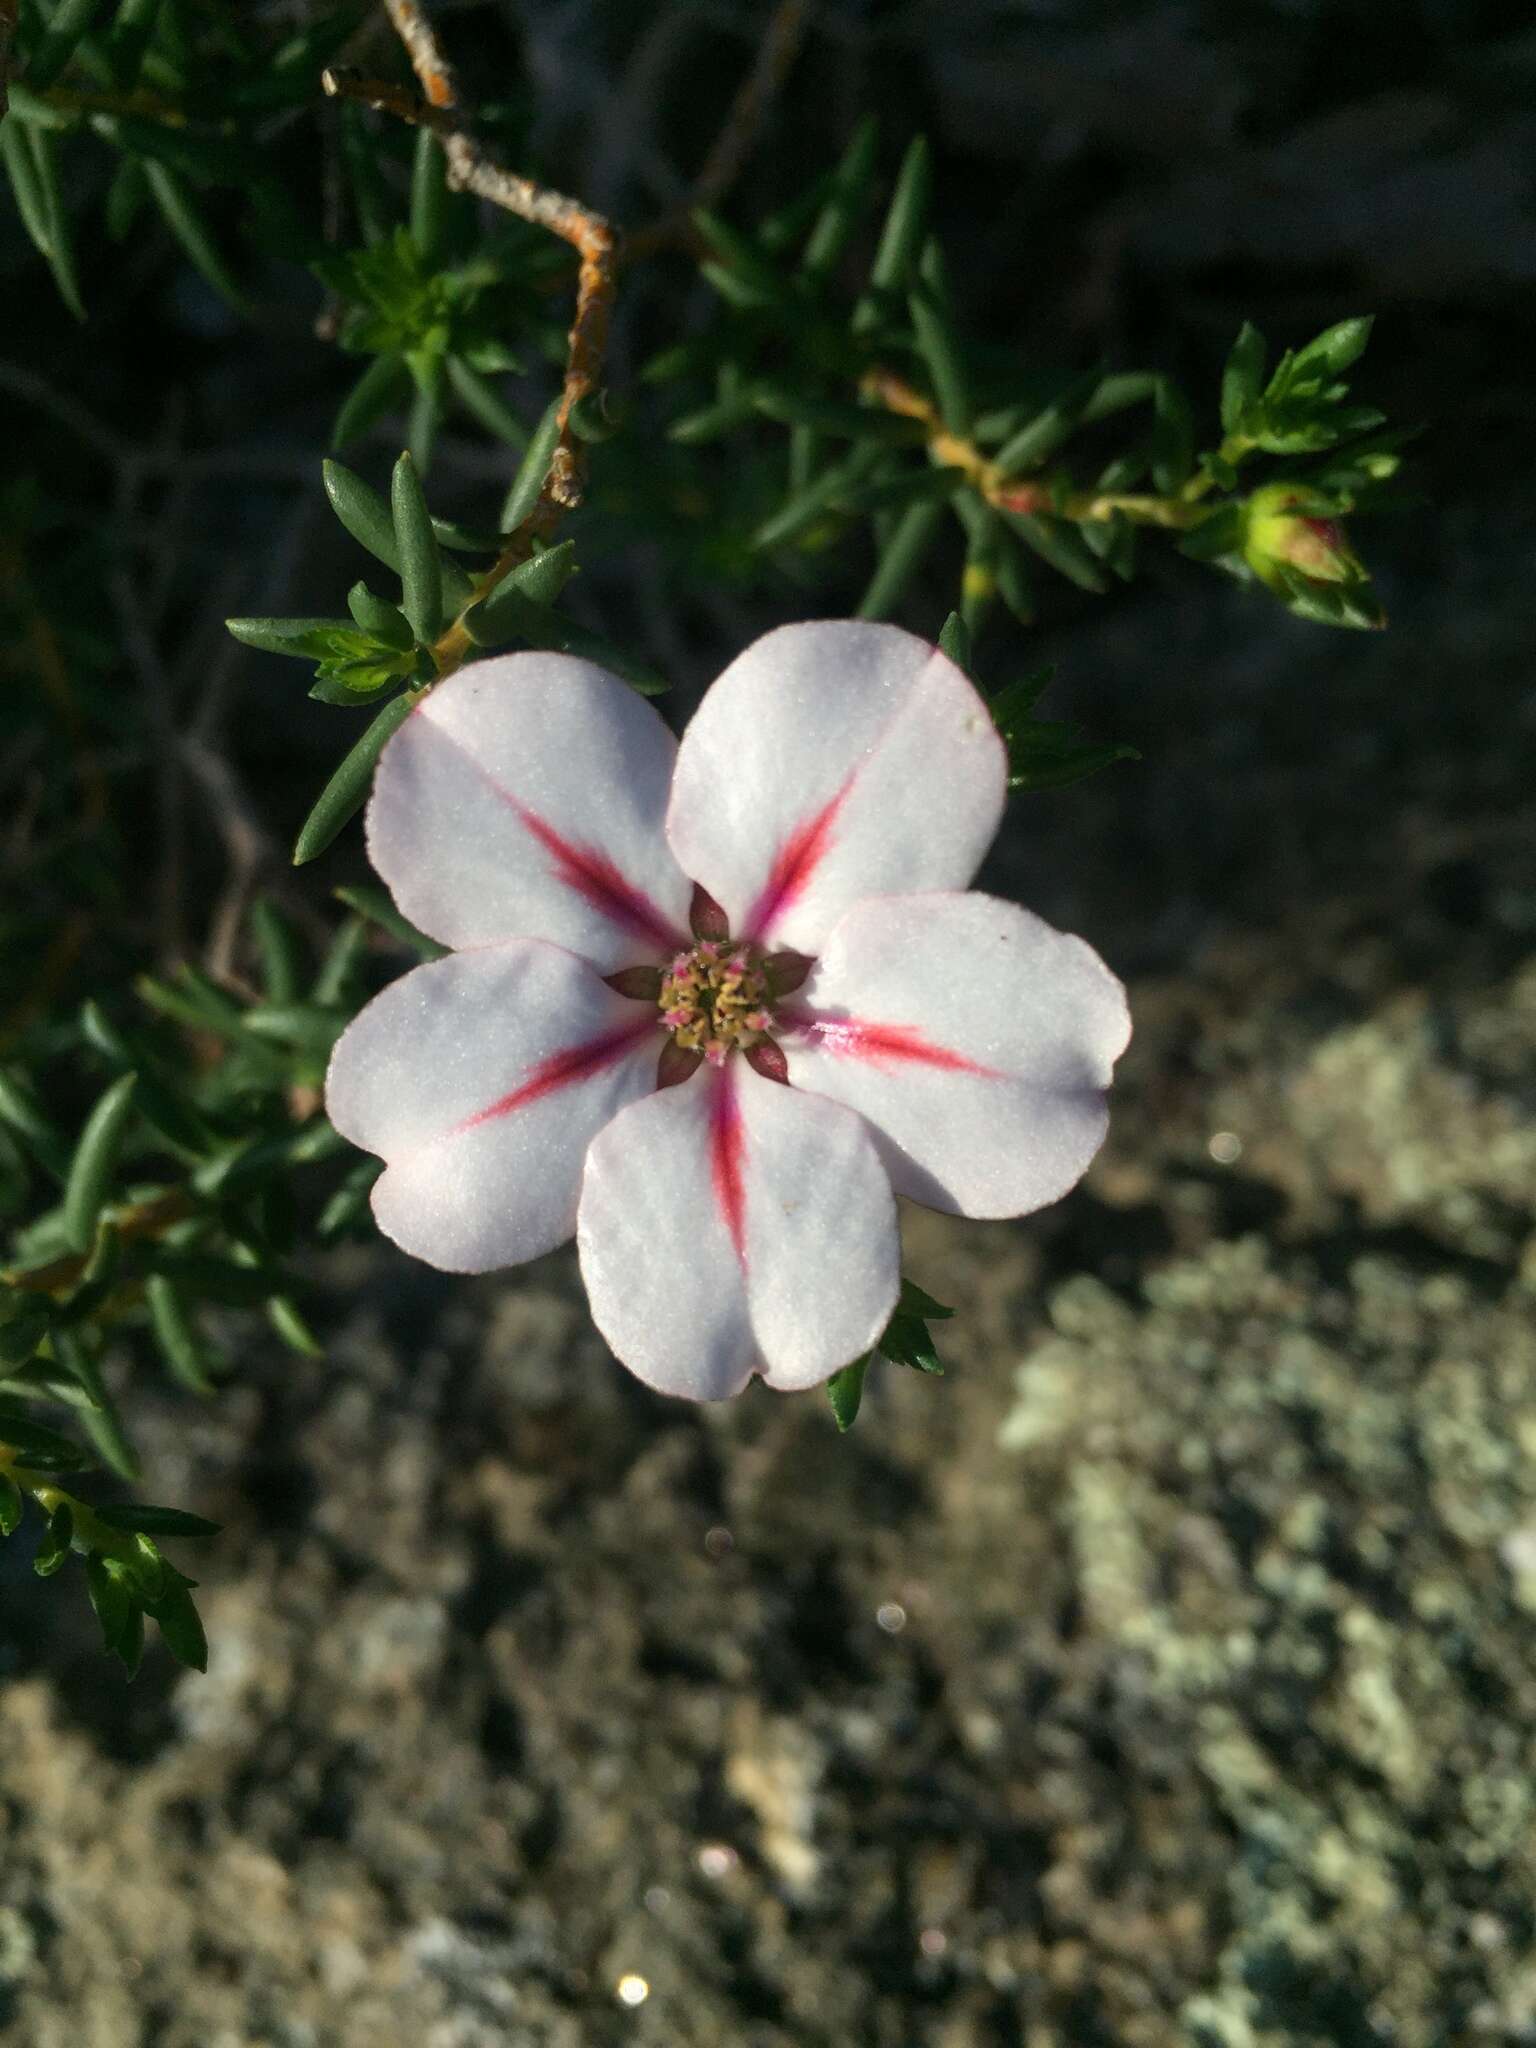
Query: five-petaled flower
x,y
715,1003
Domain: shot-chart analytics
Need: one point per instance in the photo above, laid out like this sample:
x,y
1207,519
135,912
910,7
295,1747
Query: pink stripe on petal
x,y
727,1160
593,875
888,1044
582,868
560,1070
794,865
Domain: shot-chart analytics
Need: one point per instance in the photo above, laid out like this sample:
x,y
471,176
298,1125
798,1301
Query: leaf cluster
x,y
173,1206
175,99
905,1341
898,425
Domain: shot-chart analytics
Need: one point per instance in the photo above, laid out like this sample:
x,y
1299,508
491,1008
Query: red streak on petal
x,y
727,1159
794,864
582,868
889,1044
560,1070
593,875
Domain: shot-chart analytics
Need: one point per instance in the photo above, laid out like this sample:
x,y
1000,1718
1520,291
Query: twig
x,y
593,239
471,170
740,131
1021,494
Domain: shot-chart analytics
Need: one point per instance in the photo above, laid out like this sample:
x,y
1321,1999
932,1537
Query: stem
x,y
91,1534
140,1219
1015,494
592,237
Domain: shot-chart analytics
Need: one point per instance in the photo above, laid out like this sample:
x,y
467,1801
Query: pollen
x,y
715,999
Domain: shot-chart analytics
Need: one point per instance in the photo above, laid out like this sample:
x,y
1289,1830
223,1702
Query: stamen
x,y
716,999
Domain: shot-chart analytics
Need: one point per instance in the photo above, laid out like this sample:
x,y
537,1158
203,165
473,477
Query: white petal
x,y
480,1080
976,1039
832,762
730,1225
524,798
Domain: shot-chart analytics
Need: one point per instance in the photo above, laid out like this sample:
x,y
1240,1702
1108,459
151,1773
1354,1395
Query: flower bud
x,y
1287,527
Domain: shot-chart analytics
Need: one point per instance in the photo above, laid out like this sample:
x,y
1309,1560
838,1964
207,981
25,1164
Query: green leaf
x,y
12,1506
917,1301
285,1318
26,1325
180,1345
986,540
938,342
955,641
469,540
140,1518
362,512
28,155
528,484
39,1445
1113,540
486,404
1336,347
536,582
808,505
741,265
1217,535
95,1161
906,223
710,422
1015,585
372,199
375,904
597,416
71,20
426,413
54,1549
429,198
181,216
304,639
21,1110
1049,756
381,389
381,620
421,578
1062,546
1242,380
906,1342
846,201
116,1609
901,559
543,576
305,1026
1043,435
517,618
103,1425
845,1390
343,796
829,416
1173,437
173,1610
129,38
349,1205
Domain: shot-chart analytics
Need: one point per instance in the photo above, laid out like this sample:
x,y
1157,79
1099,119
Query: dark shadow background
x,y
1164,1675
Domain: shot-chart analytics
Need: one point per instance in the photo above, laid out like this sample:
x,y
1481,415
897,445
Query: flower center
x,y
715,999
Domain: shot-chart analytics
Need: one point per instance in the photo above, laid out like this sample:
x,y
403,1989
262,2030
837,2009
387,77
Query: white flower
x,y
653,938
